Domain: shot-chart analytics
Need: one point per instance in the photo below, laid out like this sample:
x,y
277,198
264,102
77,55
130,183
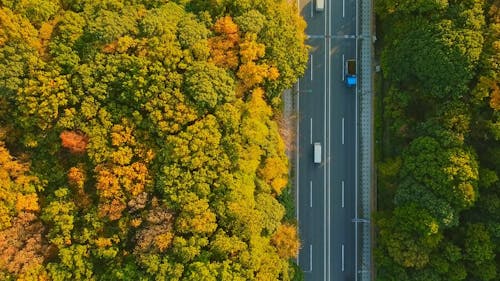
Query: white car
x,y
317,152
320,5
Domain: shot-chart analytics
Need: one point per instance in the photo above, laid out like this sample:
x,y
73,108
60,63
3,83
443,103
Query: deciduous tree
x,y
286,241
75,142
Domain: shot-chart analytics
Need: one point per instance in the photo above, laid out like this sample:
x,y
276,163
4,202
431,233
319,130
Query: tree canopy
x,y
438,162
139,139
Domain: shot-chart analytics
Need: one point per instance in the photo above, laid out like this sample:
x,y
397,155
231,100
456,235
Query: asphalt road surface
x,y
327,114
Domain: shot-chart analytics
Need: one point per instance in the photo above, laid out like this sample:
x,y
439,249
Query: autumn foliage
x,y
17,188
158,232
117,184
286,241
22,246
150,131
76,177
75,142
275,172
224,46
495,97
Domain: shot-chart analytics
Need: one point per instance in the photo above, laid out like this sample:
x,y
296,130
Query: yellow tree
x,y
116,184
251,72
17,28
495,96
223,47
275,173
17,188
262,259
250,49
76,179
123,178
286,241
21,244
197,218
254,128
45,34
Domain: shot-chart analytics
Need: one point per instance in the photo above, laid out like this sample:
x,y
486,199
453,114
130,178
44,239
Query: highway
x,y
327,111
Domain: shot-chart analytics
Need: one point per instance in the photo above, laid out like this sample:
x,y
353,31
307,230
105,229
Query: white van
x,y
317,152
320,5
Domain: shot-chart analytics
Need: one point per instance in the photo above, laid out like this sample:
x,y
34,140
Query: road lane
x,y
342,151
327,115
312,176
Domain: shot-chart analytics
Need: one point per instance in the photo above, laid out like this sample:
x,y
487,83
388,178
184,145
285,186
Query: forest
x,y
141,139
438,140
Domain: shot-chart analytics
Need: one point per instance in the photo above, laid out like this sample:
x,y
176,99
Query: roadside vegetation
x,y
139,139
438,133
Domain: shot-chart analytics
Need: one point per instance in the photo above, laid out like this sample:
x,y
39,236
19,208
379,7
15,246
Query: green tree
x,y
440,67
479,252
208,86
36,11
60,216
252,21
437,56
409,236
438,207
451,174
202,271
74,264
401,8
224,246
284,38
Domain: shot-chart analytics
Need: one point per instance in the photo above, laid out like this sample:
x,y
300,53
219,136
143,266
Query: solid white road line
x,y
311,134
312,8
325,168
343,67
342,257
328,135
342,194
329,32
342,130
311,60
356,155
311,258
343,8
310,194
